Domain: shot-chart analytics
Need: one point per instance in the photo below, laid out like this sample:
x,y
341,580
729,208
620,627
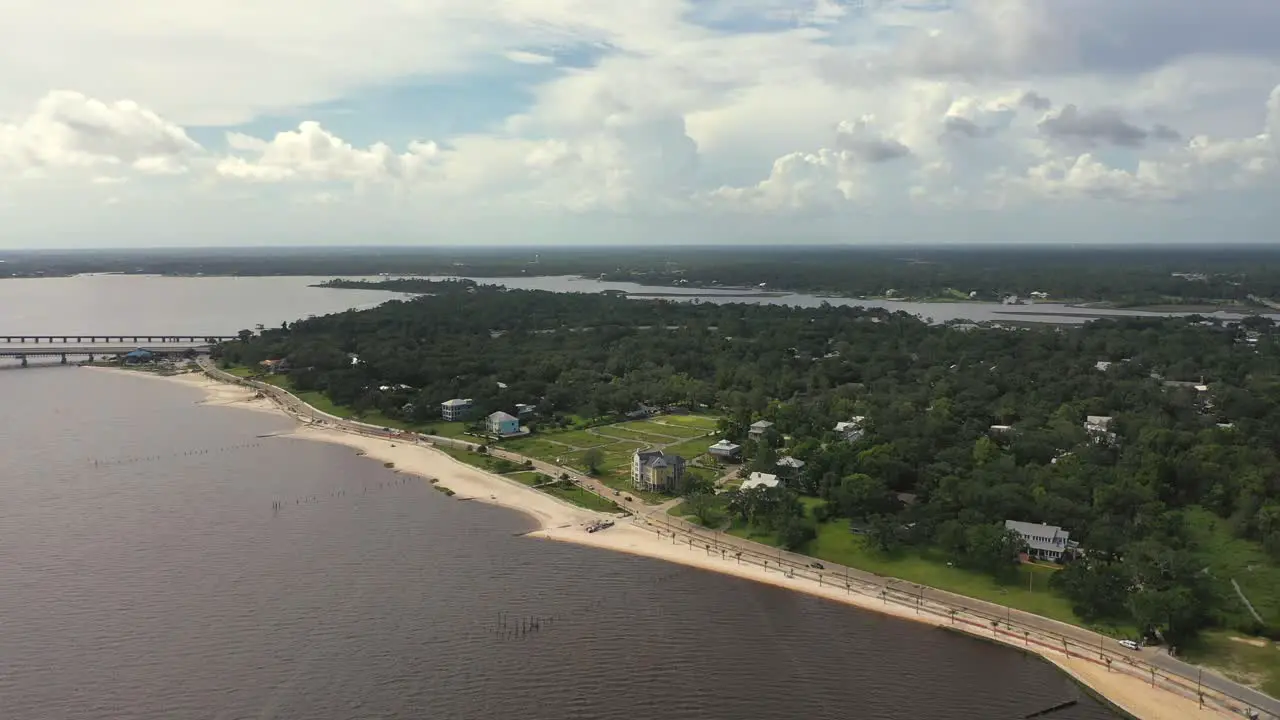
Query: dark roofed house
x,y
1044,542
656,471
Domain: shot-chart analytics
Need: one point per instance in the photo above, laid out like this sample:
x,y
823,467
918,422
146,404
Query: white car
x,y
1130,644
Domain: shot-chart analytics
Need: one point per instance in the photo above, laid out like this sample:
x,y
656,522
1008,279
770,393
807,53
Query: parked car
x,y
1130,644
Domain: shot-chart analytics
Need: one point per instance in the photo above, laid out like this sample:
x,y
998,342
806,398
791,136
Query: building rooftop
x,y
726,446
502,416
759,479
761,425
457,402
1040,536
790,462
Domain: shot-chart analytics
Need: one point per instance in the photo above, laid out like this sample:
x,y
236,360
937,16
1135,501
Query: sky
x,y
457,122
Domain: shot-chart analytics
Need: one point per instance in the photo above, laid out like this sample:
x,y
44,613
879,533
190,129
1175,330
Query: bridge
x,y
114,338
24,347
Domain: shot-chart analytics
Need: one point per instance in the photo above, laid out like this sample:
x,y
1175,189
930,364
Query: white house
x,y
1001,429
760,480
1102,365
725,450
758,429
501,423
851,429
455,409
1044,542
789,463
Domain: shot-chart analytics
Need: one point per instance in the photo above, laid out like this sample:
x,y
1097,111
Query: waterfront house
x,y
1043,542
760,480
759,430
455,409
503,424
725,450
656,471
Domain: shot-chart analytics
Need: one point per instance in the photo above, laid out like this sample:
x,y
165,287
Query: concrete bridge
x,y
92,351
82,338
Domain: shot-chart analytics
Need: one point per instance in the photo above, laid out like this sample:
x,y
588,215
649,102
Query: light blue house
x,y
501,423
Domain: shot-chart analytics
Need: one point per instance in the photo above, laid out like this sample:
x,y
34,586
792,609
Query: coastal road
x,y
899,591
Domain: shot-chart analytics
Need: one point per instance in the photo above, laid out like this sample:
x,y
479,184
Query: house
x,y
273,366
790,465
455,409
759,429
522,409
138,356
1001,429
1039,295
1044,542
501,423
760,480
725,450
1099,428
1102,365
656,471
851,430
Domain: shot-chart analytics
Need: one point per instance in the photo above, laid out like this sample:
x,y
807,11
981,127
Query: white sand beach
x,y
560,521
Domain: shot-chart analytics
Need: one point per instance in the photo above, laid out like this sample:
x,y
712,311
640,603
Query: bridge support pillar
x,y
90,357
64,358
24,360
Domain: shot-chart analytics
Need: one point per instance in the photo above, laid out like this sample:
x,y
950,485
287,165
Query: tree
x,y
592,458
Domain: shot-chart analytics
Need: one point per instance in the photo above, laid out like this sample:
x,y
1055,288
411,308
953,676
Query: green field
x,y
836,543
528,477
1230,557
706,423
538,446
622,433
576,495
656,428
579,438
1249,661
690,449
475,459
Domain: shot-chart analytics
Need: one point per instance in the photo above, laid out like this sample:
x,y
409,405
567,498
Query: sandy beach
x,y
560,521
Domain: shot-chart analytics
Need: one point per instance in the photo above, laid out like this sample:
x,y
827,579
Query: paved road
x,y
1079,639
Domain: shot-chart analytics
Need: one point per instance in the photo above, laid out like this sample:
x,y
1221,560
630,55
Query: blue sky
x,y
762,121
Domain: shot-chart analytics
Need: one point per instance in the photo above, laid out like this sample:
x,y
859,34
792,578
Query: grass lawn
x,y
536,447
706,423
622,433
446,429
484,462
528,477
717,514
579,438
1230,557
655,428
582,498
616,457
1250,661
690,449
243,372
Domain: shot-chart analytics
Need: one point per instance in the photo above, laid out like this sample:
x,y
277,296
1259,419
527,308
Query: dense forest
x,y
929,470
1121,275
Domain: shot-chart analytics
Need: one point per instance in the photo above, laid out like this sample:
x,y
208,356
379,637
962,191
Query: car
x,y
817,565
1130,644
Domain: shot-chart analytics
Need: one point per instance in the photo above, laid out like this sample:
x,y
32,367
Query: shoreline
x,y
560,521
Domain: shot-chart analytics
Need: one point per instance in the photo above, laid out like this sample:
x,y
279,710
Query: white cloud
x,y
69,130
312,153
913,117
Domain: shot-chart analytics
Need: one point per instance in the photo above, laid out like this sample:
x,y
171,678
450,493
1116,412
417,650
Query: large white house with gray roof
x,y
1044,542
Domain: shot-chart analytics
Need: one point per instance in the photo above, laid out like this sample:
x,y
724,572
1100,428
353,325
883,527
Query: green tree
x,y
593,458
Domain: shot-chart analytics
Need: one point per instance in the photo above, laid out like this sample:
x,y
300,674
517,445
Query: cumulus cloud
x,y
1103,125
314,154
69,130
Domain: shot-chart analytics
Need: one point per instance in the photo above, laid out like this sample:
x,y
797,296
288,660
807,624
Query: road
x,y
1015,623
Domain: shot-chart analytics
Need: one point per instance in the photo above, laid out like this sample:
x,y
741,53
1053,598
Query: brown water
x,y
144,574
